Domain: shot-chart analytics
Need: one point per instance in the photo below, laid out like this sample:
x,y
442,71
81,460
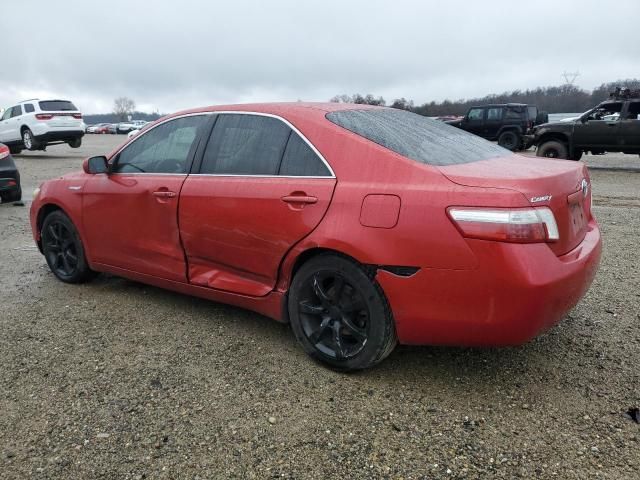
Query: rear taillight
x,y
4,152
77,115
44,116
530,225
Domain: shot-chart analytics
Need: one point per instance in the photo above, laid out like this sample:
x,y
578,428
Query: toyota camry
x,y
362,227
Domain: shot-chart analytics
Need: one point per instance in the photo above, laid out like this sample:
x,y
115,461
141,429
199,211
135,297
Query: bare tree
x,y
123,106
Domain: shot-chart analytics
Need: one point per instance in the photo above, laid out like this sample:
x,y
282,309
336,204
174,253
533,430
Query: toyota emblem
x,y
584,186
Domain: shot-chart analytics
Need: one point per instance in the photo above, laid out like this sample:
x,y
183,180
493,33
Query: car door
x,y
493,122
130,215
260,188
630,127
594,131
14,124
474,121
4,125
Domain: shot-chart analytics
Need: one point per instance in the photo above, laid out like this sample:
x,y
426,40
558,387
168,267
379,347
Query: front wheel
x,y
29,141
63,249
76,142
552,149
339,314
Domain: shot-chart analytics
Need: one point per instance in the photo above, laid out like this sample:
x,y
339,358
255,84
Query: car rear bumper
x,y
517,292
59,135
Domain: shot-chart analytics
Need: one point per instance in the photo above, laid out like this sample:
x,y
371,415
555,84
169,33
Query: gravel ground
x,y
115,379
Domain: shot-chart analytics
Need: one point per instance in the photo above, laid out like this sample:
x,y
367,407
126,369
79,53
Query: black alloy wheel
x,y
339,314
335,317
63,249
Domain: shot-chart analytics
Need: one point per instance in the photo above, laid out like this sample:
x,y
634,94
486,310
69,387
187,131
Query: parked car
x,y
113,128
10,190
35,124
138,124
504,123
125,127
362,226
612,126
99,128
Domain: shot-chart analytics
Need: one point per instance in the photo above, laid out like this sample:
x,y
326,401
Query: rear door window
x,y
494,113
242,144
634,111
300,160
16,111
56,106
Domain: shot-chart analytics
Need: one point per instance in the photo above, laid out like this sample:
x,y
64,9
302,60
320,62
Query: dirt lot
x,y
115,379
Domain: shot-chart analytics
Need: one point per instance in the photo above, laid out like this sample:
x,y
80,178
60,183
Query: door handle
x,y
164,194
299,199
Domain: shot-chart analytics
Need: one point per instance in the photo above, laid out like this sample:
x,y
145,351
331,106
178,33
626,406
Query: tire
x,y
28,140
15,149
63,249
552,149
14,196
339,314
509,140
76,142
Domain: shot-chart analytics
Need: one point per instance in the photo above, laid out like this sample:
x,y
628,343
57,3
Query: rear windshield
x,y
56,106
416,137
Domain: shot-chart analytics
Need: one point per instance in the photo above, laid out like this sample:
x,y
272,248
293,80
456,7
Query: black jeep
x,y
506,123
612,126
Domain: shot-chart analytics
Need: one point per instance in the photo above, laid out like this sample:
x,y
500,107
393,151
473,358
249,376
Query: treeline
x,y
92,119
562,99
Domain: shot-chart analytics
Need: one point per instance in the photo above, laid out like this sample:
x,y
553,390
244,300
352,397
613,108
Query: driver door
x,y
130,215
600,129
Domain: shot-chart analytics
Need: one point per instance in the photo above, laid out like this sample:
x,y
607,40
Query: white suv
x,y
34,124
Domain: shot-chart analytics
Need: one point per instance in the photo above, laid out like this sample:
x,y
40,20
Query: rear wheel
x,y
29,142
552,149
14,196
63,249
339,314
509,140
76,142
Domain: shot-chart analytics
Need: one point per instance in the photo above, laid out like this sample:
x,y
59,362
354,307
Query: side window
x,y
28,108
15,111
513,113
608,112
245,145
494,113
476,114
164,149
6,114
301,161
634,111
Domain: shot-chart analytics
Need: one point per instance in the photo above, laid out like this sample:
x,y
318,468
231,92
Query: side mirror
x,y
95,165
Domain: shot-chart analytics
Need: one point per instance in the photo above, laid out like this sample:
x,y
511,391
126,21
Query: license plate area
x,y
578,218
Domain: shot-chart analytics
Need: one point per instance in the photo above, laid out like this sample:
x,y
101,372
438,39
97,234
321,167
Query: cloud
x,y
173,55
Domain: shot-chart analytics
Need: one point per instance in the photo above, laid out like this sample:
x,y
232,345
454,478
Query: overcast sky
x,y
172,55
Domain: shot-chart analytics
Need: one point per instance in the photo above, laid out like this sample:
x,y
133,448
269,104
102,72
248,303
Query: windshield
x,y
416,137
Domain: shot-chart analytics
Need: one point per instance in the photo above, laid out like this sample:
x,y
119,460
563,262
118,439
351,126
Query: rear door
x,y
130,215
630,127
260,188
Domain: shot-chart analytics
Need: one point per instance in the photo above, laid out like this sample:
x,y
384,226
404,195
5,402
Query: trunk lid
x,y
563,186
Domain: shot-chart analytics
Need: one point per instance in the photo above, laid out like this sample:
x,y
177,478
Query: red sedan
x,y
361,226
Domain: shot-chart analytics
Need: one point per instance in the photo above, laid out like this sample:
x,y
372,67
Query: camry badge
x,y
544,198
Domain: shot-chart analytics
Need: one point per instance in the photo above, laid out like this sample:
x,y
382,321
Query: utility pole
x,y
570,77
